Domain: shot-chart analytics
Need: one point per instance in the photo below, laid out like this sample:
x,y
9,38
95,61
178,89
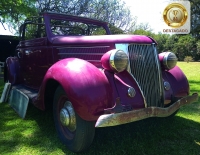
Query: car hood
x,y
139,39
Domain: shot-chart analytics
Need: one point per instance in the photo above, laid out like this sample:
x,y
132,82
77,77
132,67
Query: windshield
x,y
74,28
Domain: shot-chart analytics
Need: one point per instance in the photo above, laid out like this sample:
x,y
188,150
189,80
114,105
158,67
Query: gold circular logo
x,y
175,15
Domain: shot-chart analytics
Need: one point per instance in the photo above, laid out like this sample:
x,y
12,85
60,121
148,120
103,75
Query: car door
x,y
35,57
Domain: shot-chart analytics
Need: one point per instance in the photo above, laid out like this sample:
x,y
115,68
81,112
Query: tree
x,y
169,44
115,30
188,59
185,46
114,12
15,11
195,18
143,32
162,40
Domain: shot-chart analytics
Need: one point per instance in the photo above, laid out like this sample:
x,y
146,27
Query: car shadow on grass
x,y
175,135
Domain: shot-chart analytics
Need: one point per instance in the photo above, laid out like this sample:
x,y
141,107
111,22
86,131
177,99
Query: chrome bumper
x,y
136,115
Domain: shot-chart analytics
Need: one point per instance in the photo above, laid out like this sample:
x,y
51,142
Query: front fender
x,y
85,85
178,82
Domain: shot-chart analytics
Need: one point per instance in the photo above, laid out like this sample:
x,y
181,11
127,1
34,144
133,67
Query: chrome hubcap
x,y
67,116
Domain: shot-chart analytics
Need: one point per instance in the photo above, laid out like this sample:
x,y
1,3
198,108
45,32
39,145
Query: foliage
x,y
14,12
184,46
188,59
162,39
115,30
143,32
195,18
114,12
198,48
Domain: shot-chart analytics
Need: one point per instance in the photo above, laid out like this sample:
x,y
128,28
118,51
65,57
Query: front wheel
x,y
76,133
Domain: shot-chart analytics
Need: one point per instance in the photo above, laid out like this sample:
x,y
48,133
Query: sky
x,y
3,31
146,11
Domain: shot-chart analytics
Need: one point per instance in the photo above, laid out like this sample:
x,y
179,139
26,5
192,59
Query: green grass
x,y
177,136
192,71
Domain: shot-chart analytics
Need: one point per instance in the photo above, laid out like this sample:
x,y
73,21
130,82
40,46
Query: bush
x,y
188,59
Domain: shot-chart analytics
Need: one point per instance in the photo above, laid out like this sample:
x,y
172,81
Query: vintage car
x,y
91,78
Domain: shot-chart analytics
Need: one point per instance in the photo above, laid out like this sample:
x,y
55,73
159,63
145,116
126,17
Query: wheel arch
x,y
89,93
50,88
178,81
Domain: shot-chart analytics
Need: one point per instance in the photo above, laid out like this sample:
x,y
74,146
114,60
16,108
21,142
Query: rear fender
x,y
13,70
85,85
178,82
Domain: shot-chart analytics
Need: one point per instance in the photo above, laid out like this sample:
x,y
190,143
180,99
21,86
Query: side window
x,y
62,27
34,29
30,31
68,28
97,30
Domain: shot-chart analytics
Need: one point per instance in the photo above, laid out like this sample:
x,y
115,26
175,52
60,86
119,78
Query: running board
x,y
18,97
19,102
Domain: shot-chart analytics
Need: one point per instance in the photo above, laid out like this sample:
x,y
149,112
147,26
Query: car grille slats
x,y
145,67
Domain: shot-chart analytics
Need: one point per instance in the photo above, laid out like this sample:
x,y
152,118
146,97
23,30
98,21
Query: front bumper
x,y
136,115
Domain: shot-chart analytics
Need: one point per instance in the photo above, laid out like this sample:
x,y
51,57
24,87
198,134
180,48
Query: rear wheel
x,y
76,133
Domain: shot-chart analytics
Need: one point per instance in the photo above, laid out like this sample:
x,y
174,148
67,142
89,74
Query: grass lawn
x,y
179,135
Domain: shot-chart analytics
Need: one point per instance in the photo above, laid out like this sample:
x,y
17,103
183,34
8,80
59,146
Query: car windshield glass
x,y
74,28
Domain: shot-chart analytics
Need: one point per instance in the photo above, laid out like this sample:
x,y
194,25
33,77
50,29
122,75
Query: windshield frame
x,y
54,16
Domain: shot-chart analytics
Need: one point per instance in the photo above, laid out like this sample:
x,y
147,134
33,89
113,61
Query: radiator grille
x,y
145,67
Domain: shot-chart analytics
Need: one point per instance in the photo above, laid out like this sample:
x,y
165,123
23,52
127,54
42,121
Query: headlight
x,y
168,60
115,60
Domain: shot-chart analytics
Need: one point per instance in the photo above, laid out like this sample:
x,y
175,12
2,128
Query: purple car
x,y
91,78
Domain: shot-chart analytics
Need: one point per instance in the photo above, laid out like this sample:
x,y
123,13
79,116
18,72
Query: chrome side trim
x,y
159,71
145,103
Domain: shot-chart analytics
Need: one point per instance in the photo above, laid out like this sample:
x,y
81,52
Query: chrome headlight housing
x,y
115,60
118,60
168,60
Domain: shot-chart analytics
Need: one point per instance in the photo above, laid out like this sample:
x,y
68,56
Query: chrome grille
x,y
145,67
